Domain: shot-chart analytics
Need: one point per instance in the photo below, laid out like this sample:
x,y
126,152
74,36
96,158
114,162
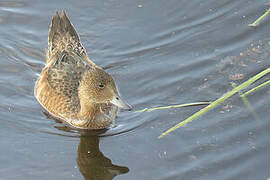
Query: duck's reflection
x,y
93,164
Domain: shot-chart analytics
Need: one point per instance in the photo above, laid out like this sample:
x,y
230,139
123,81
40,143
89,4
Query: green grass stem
x,y
217,102
256,88
173,106
255,23
246,103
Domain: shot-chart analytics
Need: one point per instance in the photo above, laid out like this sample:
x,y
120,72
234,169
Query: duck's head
x,y
97,87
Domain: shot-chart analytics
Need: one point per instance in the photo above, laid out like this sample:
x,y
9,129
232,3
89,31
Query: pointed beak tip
x,y
121,104
129,108
126,107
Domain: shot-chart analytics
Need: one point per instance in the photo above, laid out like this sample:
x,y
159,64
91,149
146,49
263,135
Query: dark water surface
x,y
160,53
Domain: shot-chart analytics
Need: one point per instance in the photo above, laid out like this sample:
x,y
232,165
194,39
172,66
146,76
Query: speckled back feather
x,y
63,36
64,77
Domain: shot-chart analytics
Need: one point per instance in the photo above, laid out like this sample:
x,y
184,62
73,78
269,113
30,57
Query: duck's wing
x,y
64,77
63,36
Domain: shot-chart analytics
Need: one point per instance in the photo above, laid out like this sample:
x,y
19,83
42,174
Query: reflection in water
x,y
91,161
93,164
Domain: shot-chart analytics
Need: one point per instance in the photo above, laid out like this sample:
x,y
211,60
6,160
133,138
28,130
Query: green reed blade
x,y
255,23
173,106
246,103
256,88
217,102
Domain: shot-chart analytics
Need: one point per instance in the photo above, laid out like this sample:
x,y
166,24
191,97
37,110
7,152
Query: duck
x,y
71,87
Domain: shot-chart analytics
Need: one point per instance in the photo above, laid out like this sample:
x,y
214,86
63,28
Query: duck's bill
x,y
117,100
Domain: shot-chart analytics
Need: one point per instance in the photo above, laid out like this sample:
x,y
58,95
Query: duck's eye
x,y
100,85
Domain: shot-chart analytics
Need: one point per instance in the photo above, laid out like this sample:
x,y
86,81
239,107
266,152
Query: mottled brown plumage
x,y
73,88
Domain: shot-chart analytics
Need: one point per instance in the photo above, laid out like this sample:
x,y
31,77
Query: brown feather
x,y
68,85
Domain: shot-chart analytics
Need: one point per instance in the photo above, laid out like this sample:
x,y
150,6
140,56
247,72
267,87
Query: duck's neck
x,y
88,111
96,116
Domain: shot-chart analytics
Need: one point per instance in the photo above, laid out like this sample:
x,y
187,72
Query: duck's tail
x,y
62,36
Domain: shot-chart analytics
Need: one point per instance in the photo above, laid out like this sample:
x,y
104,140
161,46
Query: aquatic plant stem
x,y
217,102
246,103
255,89
173,106
255,23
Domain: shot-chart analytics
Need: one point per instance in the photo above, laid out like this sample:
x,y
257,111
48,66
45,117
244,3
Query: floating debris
x,y
235,77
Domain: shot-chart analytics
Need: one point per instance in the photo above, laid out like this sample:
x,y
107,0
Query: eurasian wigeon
x,y
73,88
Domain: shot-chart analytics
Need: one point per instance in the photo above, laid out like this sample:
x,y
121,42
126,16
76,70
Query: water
x,y
160,53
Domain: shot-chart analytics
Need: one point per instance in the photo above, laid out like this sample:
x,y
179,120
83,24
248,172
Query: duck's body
x,y
73,88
